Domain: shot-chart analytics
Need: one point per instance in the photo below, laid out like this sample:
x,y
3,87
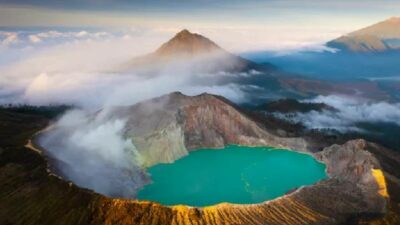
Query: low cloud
x,y
34,39
349,111
79,71
8,38
279,39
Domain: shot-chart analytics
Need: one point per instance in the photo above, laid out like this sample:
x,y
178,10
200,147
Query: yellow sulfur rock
x,y
380,179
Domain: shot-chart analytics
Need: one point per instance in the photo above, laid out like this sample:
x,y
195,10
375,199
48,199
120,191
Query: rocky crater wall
x,y
166,128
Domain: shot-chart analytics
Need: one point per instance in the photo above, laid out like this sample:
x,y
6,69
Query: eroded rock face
x,y
211,122
352,163
166,128
206,121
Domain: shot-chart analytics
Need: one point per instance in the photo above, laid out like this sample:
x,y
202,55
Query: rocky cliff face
x,y
352,163
166,128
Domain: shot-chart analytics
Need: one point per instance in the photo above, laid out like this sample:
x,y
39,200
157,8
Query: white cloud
x,y
50,38
349,111
80,72
9,38
50,34
81,34
126,37
34,39
272,38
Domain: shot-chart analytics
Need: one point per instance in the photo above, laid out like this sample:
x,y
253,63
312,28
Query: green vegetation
x,y
28,195
49,112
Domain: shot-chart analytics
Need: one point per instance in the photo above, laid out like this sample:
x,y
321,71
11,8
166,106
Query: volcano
x,y
200,52
166,129
187,44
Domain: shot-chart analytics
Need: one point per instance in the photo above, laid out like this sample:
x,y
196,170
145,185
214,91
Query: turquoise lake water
x,y
235,174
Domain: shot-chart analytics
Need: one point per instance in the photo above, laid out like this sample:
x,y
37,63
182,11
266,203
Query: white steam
x,y
93,153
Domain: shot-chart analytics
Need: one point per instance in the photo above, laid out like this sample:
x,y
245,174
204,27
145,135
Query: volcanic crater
x,y
181,124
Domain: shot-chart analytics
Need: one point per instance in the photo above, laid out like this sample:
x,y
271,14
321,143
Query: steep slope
x,y
187,44
380,37
176,124
387,29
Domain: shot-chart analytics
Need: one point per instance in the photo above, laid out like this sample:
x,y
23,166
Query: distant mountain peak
x,y
183,33
185,43
389,28
202,54
378,37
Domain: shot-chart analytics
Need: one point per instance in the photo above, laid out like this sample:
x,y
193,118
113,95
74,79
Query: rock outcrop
x,y
166,128
351,162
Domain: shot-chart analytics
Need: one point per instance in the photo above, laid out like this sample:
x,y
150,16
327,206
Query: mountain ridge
x,y
379,37
201,52
189,44
383,29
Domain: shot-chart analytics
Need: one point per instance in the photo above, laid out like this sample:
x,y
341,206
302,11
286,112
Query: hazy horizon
x,y
236,25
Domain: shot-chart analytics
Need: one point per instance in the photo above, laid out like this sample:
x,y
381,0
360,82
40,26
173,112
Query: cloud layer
x,y
75,67
349,111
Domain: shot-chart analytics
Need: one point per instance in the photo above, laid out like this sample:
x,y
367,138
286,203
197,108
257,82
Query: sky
x,y
255,23
206,12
